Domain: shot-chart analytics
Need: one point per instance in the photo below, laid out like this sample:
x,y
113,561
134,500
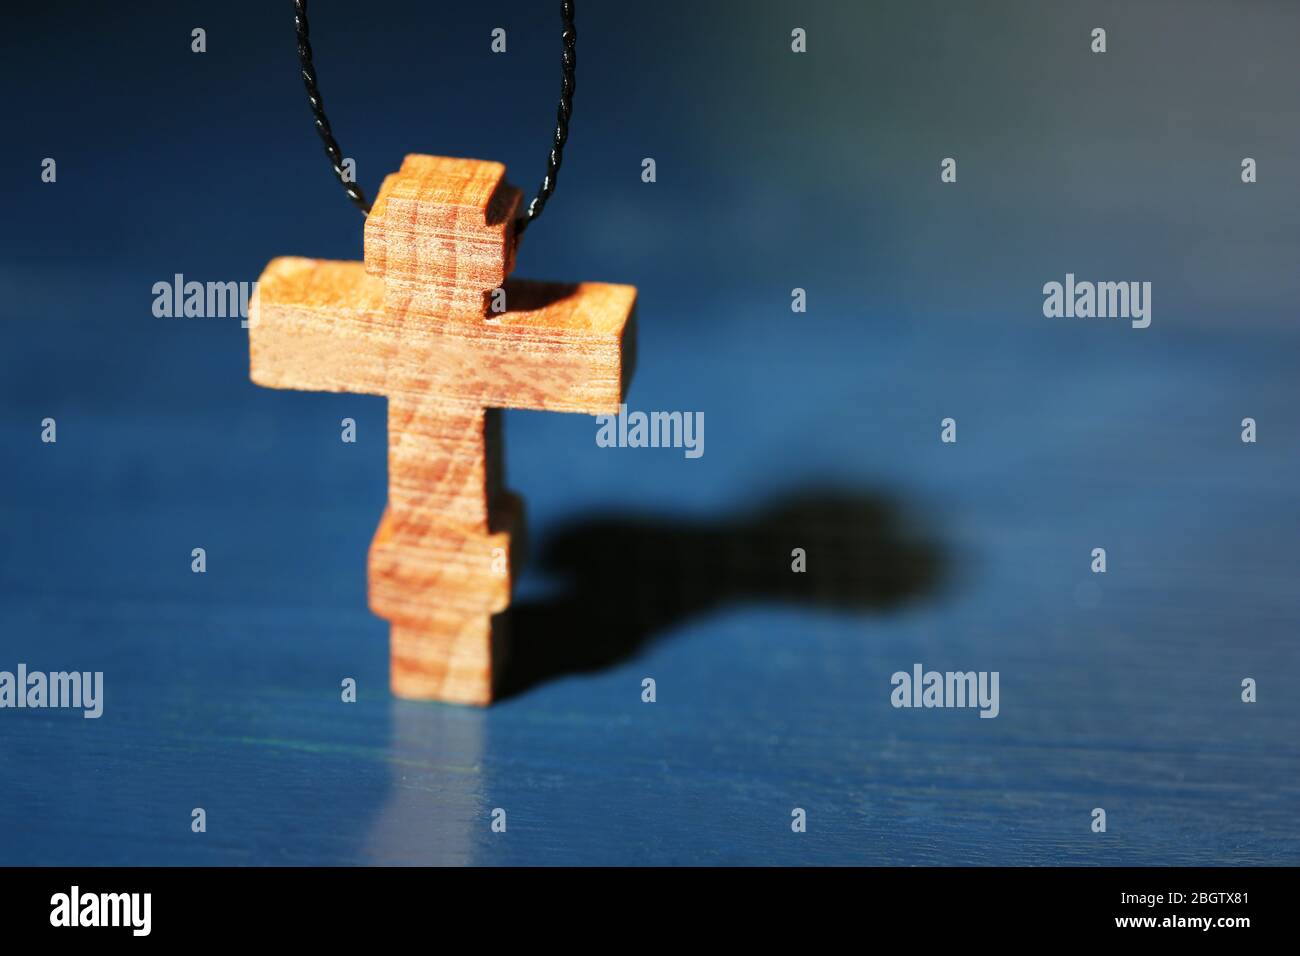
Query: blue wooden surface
x,y
1118,690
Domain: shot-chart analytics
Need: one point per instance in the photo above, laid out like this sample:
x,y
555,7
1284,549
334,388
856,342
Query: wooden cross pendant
x,y
420,321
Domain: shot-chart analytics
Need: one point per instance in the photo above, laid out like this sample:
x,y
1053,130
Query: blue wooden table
x,y
1119,690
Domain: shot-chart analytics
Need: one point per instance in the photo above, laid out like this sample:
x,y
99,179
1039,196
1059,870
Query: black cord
x,y
318,106
568,81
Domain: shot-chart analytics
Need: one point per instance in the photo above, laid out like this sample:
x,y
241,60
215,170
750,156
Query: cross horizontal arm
x,y
321,325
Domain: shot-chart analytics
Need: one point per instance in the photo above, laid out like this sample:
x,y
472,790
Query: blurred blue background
x,y
774,171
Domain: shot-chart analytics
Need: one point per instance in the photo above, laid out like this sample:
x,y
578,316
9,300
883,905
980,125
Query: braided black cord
x,y
318,106
568,81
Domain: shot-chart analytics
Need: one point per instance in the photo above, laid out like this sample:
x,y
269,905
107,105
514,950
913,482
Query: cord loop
x,y
563,113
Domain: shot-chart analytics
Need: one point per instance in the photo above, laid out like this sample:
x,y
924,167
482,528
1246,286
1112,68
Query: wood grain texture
x,y
441,235
471,572
413,323
320,326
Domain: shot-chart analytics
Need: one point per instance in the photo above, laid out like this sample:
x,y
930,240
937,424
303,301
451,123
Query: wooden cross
x,y
415,322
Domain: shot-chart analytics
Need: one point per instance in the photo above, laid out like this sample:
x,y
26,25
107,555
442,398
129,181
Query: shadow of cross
x,y
415,323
